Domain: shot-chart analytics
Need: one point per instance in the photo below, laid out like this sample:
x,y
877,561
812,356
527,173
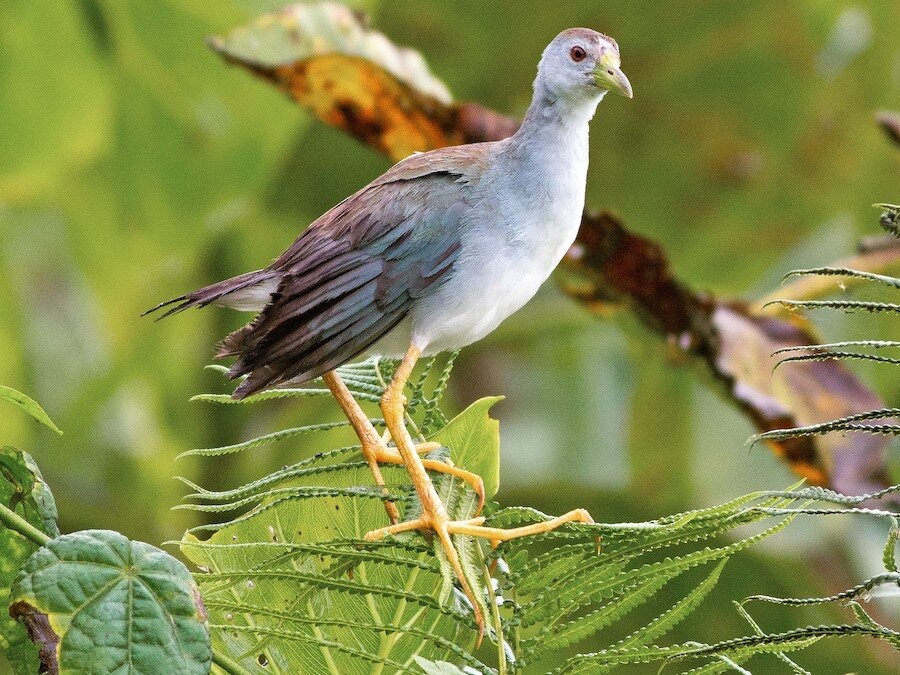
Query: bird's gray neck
x,y
548,107
552,143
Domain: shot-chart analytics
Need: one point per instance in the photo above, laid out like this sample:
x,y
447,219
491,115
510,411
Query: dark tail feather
x,y
209,294
234,343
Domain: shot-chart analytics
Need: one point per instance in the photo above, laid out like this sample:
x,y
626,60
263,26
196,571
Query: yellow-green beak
x,y
609,76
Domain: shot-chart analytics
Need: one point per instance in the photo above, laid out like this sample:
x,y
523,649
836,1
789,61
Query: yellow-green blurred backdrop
x,y
136,165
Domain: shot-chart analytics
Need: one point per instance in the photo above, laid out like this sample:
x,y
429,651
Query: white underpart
x,y
530,205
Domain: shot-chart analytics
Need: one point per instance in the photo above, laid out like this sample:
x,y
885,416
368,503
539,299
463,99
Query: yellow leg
x,y
375,450
434,514
368,438
496,535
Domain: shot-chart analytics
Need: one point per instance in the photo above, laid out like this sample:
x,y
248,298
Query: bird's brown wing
x,y
355,273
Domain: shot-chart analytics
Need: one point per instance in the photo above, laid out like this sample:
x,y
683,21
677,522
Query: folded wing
x,y
351,277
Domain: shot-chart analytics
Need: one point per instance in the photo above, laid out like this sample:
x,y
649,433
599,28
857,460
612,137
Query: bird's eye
x,y
578,53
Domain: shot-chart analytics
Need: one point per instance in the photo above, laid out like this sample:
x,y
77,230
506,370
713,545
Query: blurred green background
x,y
136,165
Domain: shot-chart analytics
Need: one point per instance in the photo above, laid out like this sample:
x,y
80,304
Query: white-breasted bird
x,y
430,256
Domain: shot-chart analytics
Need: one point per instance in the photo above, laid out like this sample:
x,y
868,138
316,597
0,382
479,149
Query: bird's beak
x,y
608,75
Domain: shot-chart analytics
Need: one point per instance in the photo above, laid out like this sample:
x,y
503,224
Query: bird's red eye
x,y
578,53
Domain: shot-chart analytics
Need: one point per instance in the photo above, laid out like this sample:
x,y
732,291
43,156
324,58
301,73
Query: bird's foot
x,y
386,455
434,519
474,527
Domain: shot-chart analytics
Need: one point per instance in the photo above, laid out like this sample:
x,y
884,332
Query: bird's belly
x,y
462,313
486,287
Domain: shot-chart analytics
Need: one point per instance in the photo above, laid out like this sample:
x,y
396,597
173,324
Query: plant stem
x,y
495,614
229,666
17,523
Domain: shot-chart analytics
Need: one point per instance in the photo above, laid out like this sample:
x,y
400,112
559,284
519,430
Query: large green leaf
x,y
290,584
96,602
22,489
474,442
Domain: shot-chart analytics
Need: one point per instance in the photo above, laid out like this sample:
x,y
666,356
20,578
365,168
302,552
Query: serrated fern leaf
x,y
759,631
844,305
849,423
846,272
876,344
861,591
822,355
266,439
675,614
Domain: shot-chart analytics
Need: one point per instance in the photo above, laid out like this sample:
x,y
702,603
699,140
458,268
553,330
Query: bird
x,y
431,256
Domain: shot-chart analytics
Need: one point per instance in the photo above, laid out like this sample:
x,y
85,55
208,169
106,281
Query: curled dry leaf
x,y
354,78
357,80
734,342
798,395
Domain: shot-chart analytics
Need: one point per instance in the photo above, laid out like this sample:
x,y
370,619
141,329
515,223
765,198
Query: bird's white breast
x,y
529,219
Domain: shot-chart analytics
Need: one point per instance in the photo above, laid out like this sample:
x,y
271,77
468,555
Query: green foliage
x,y
94,597
475,439
91,600
24,492
29,405
883,421
290,582
145,148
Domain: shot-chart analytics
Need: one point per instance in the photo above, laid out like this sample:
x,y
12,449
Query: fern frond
x,y
845,272
849,423
819,355
668,619
861,590
877,344
266,439
844,305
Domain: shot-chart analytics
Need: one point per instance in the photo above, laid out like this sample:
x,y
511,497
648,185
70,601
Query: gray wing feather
x,y
350,278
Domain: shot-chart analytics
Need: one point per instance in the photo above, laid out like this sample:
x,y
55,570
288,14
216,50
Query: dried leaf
x,y
355,79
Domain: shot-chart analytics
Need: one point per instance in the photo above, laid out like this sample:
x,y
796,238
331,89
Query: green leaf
x,y
22,489
474,441
663,623
94,597
291,585
29,405
291,582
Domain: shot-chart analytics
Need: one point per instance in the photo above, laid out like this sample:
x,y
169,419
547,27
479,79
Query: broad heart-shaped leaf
x,y
292,587
97,602
22,489
474,441
29,405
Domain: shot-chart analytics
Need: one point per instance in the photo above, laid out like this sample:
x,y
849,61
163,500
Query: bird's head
x,y
581,63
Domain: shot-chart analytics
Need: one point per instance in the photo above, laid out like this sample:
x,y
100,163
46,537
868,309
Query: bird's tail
x,y
245,291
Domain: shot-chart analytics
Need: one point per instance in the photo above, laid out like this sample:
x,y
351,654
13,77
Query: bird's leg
x,y
369,439
375,450
434,514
